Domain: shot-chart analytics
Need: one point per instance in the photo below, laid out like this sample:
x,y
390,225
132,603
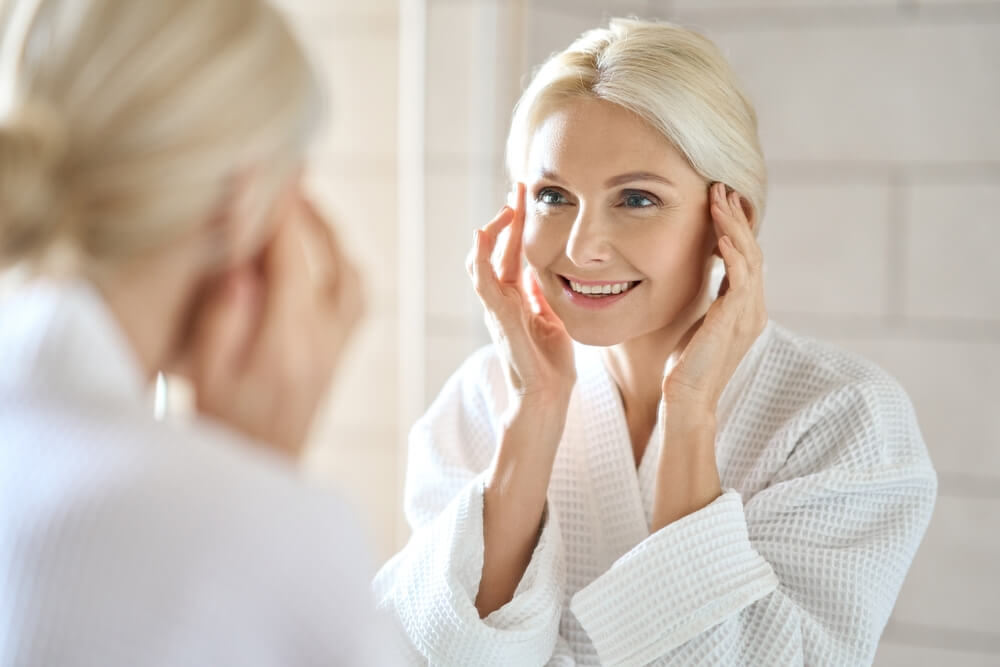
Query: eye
x,y
636,199
550,197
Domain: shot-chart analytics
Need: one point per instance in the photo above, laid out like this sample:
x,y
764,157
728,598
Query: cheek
x,y
674,262
542,242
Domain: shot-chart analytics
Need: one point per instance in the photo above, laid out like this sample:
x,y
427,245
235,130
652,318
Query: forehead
x,y
589,139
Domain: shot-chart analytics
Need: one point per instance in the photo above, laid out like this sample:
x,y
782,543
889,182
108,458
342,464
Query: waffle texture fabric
x,y
828,490
129,541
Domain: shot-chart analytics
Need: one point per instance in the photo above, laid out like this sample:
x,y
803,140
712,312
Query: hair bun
x,y
32,147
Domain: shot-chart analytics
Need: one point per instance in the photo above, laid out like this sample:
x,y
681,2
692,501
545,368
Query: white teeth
x,y
609,288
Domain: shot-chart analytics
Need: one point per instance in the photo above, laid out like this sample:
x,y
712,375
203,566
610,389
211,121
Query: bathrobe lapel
x,y
602,434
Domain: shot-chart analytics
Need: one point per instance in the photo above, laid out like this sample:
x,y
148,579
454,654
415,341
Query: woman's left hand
x,y
733,322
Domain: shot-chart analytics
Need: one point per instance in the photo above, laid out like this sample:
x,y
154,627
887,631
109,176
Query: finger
x,y
749,245
489,233
484,278
736,265
497,224
730,219
510,262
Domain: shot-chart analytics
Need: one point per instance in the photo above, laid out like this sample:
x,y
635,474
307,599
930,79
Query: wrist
x,y
544,415
688,417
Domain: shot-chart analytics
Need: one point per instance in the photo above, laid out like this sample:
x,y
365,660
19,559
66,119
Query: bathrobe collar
x,y
61,338
625,509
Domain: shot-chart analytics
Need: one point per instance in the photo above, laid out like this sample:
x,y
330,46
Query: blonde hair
x,y
674,79
125,123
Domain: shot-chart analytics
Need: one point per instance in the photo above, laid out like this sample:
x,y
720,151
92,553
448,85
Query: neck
x,y
637,367
149,302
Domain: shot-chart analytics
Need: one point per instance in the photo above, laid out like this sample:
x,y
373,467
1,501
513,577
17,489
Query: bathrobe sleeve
x,y
804,572
430,587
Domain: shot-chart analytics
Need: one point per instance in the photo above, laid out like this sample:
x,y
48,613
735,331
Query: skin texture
x,y
259,341
607,198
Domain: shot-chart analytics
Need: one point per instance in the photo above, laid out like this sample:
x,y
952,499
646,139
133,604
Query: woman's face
x,y
618,228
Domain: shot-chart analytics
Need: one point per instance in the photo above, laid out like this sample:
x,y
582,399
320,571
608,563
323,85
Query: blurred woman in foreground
x,y
150,155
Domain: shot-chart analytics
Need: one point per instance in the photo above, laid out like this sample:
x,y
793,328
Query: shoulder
x,y
840,407
188,514
198,483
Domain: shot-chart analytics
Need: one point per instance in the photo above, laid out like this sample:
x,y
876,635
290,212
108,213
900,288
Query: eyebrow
x,y
637,176
616,180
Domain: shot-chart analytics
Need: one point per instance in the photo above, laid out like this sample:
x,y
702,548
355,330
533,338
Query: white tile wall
x,y
446,352
826,248
952,239
871,92
457,204
952,583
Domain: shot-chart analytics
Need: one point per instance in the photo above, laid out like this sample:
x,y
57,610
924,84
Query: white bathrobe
x,y
125,541
828,490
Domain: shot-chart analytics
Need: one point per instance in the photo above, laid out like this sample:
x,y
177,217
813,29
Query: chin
x,y
597,336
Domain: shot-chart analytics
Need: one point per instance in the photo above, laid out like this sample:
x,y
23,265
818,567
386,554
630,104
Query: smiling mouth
x,y
598,290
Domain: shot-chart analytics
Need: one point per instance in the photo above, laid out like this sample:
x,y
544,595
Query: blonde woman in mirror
x,y
644,468
150,160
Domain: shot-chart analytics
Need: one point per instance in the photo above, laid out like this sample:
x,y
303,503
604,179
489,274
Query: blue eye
x,y
550,197
637,200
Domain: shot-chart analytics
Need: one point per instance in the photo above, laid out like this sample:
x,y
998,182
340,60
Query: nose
x,y
588,243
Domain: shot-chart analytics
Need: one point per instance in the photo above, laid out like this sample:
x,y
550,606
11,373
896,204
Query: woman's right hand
x,y
535,349
537,355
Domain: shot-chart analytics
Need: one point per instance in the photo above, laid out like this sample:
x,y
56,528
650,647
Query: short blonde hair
x,y
674,79
125,122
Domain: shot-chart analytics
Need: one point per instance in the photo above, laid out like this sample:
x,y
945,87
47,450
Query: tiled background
x,y
879,121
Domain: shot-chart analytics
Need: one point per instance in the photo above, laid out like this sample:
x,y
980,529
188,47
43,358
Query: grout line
x,y
908,7
836,17
861,327
962,485
865,171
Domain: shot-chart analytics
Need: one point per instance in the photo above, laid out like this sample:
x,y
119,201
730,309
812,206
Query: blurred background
x,y
879,120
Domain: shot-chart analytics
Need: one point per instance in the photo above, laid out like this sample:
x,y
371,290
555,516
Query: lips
x,y
596,293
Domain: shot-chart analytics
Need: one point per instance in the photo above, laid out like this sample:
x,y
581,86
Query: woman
x,y
694,484
149,184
